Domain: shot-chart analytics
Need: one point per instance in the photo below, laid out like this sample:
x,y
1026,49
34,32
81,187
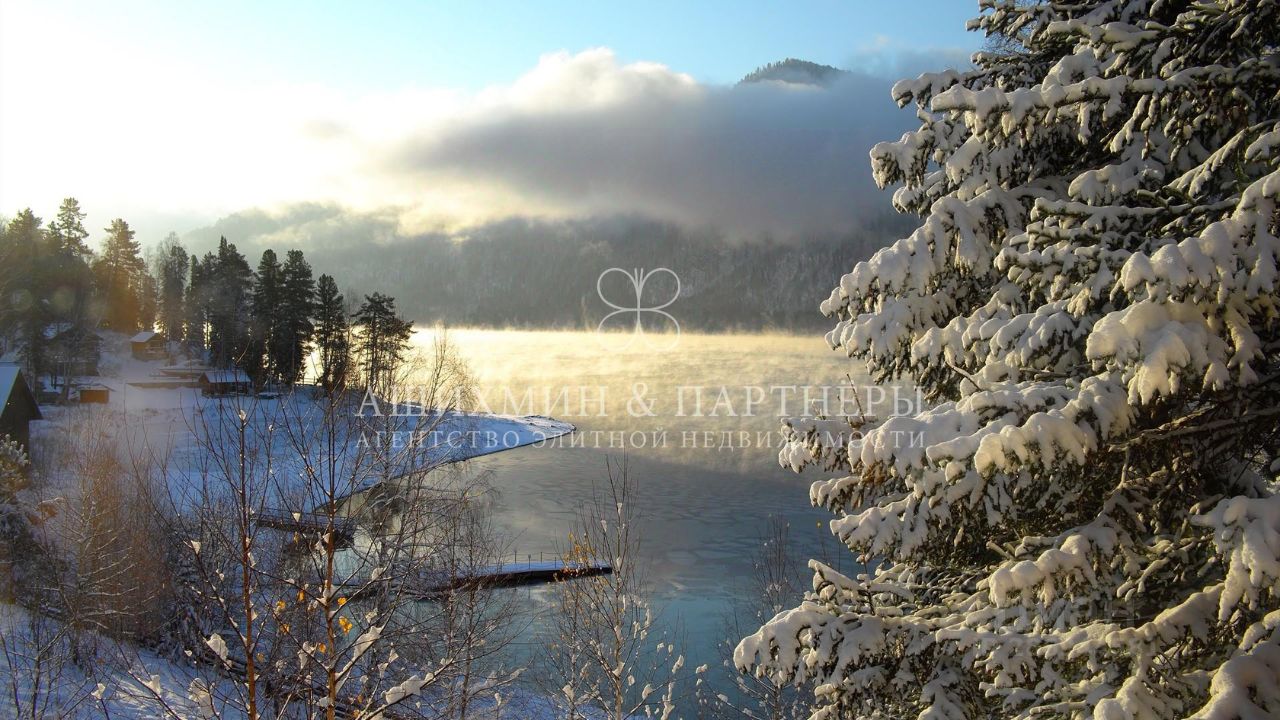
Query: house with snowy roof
x,y
148,345
225,382
72,350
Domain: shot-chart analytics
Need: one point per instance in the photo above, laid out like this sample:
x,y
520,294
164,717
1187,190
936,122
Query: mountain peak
x,y
792,70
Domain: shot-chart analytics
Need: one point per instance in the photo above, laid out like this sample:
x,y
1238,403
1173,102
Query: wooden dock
x,y
529,572
310,524
548,568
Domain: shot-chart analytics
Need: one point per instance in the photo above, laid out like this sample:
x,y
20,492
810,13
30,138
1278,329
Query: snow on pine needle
x,y
1085,520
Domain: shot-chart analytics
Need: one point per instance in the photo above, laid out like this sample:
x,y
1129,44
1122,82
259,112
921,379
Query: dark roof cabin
x,y
19,405
148,345
225,382
73,350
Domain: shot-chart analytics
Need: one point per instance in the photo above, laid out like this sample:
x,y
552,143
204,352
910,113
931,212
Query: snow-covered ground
x,y
38,678
289,435
189,442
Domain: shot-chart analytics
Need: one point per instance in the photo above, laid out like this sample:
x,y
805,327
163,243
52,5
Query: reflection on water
x,y
703,502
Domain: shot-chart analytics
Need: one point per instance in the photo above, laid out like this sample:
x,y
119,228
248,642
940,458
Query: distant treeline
x,y
58,292
527,273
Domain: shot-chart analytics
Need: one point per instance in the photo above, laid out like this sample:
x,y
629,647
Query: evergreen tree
x,y
331,335
46,285
19,549
171,268
298,305
381,343
68,229
23,314
196,303
119,271
66,275
229,289
148,299
1086,521
268,314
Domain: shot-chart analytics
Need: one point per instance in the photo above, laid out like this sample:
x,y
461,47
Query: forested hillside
x,y
544,273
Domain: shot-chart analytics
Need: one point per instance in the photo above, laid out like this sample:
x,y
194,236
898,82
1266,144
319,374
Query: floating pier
x,y
502,575
343,528
528,572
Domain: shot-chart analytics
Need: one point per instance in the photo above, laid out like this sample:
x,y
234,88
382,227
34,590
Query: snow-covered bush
x,y
15,525
1085,522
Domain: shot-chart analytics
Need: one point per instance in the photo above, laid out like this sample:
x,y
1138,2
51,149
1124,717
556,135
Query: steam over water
x,y
706,487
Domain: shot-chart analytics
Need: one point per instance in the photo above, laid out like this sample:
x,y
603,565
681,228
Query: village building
x,y
72,350
225,382
20,406
148,345
95,394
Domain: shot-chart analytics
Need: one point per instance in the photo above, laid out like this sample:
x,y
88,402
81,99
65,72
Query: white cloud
x,y
583,134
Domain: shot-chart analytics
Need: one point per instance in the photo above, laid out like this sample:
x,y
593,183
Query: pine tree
x,y
1086,520
331,335
24,313
171,268
268,314
195,303
381,343
68,229
228,284
45,280
148,299
67,276
298,303
119,271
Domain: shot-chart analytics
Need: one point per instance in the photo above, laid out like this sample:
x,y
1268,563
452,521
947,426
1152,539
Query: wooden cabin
x,y
215,383
20,406
148,345
95,394
74,351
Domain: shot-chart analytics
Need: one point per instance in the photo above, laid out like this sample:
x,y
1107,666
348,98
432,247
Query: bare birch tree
x,y
336,563
610,656
775,579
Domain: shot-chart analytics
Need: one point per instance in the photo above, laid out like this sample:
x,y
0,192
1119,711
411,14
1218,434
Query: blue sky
x,y
174,114
469,45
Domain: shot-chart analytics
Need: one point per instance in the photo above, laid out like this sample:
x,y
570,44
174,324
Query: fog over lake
x,y
704,495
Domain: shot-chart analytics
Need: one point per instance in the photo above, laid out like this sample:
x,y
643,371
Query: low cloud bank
x,y
584,135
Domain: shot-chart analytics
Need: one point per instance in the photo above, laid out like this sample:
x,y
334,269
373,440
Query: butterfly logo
x,y
638,278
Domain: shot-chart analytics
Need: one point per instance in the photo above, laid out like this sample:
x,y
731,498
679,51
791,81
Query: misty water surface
x,y
702,506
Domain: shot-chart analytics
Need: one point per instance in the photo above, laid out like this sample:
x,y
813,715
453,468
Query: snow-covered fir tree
x,y
1085,520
